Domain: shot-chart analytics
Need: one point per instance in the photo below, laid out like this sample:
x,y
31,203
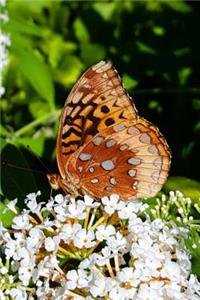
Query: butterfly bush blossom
x,y
82,249
4,44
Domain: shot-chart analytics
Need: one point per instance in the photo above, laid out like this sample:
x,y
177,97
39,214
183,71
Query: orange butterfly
x,y
103,146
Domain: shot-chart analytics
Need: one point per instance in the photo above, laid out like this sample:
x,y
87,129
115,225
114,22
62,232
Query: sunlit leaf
x,y
69,70
38,107
81,31
158,30
19,24
143,47
36,72
179,5
3,132
105,10
155,106
129,82
189,187
36,144
57,49
92,53
6,216
184,74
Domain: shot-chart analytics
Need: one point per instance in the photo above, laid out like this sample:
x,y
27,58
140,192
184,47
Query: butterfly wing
x,y
97,101
131,159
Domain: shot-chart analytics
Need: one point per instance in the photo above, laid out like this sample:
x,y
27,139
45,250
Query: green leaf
x,y
158,30
189,187
68,71
184,74
179,6
181,51
7,216
105,10
36,144
143,47
20,24
81,32
35,71
16,182
38,107
92,53
193,245
57,49
196,104
3,132
197,127
129,82
155,106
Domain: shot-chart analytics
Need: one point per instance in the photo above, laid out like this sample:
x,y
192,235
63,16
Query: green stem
x,y
35,123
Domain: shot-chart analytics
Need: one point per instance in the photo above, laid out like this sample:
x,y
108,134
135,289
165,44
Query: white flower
x,y
110,204
35,238
121,258
3,270
100,286
11,206
13,246
21,222
25,274
2,2
126,210
116,242
89,202
26,257
50,244
126,275
69,231
89,262
103,258
103,232
31,202
59,199
18,293
84,238
76,279
151,292
194,285
77,210
171,270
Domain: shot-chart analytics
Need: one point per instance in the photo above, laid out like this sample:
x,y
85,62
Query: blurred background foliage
x,y
153,44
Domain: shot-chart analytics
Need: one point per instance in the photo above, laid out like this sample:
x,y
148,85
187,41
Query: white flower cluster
x,y
4,44
83,249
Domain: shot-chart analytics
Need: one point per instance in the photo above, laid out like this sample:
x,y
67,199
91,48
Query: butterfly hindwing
x,y
130,159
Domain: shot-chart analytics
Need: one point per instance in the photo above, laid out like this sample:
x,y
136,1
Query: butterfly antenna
x,y
7,164
40,161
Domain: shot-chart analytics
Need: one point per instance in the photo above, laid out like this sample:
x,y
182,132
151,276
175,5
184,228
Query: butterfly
x,y
103,146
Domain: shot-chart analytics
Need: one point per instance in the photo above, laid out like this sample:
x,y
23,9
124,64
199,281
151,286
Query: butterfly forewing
x,y
97,101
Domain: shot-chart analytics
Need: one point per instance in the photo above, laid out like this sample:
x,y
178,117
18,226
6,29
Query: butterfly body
x,y
103,146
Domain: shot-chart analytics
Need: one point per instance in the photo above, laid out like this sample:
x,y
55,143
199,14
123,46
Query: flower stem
x,y
35,123
99,221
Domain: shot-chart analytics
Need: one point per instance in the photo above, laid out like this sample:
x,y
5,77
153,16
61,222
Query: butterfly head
x,y
54,181
57,182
